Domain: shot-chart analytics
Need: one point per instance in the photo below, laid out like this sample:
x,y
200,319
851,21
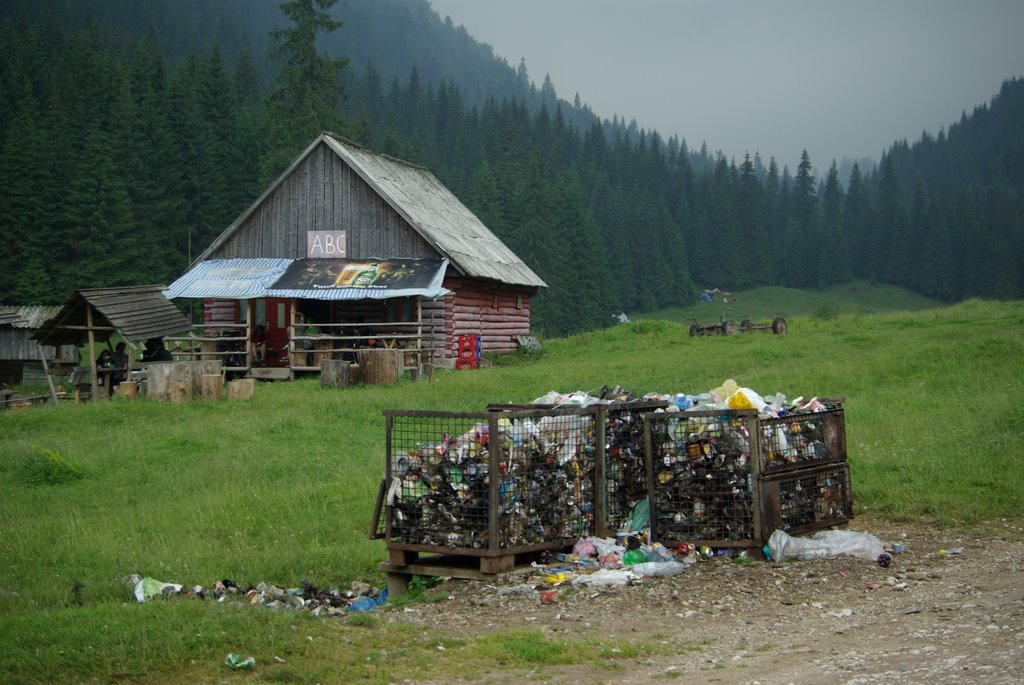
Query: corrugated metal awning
x,y
361,279
230,279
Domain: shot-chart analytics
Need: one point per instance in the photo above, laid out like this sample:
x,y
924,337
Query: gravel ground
x,y
928,618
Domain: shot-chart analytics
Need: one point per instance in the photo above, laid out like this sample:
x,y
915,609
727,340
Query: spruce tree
x,y
305,97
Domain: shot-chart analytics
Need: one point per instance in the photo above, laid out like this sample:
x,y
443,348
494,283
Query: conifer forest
x,y
132,134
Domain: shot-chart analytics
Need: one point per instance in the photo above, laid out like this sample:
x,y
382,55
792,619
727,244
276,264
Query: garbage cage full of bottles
x,y
622,473
491,485
701,477
730,477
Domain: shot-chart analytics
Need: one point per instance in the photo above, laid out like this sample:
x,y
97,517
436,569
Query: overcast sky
x,y
839,78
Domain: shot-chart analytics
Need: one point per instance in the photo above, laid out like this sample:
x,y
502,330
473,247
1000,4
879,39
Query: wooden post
x,y
334,373
211,384
128,389
241,389
46,370
92,350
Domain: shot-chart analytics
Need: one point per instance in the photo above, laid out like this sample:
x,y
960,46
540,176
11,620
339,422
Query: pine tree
x,y
306,96
801,234
834,252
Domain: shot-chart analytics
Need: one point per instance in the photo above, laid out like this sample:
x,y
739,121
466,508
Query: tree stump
x,y
210,384
241,389
128,389
380,367
334,373
159,381
200,369
181,392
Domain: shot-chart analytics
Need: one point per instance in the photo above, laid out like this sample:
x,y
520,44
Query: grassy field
x,y
281,488
762,304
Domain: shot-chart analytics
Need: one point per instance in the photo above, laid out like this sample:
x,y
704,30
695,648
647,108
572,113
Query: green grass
x,y
762,304
282,488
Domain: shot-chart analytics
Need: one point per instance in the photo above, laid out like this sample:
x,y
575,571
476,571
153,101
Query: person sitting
x,y
156,352
259,342
105,360
120,358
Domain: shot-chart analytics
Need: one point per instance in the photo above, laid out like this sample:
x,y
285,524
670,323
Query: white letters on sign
x,y
328,244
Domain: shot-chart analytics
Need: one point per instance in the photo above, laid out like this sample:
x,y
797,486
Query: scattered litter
x,y
237,662
319,602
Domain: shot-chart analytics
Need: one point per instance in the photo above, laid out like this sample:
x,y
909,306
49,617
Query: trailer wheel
x,y
779,326
728,327
747,325
694,330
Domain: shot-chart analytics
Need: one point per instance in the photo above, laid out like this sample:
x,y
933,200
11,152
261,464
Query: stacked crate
x,y
804,474
729,478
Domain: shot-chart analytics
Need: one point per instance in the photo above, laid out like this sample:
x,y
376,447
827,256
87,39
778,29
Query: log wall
x,y
496,315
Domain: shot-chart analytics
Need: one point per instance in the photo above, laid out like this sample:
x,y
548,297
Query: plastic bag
x,y
658,568
604,577
148,588
745,398
826,544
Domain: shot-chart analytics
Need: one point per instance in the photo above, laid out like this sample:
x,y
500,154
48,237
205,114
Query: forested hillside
x,y
132,134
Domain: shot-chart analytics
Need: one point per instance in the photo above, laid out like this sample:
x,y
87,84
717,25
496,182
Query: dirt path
x,y
928,618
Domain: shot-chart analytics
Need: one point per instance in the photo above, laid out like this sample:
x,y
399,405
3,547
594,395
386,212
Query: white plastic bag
x,y
604,577
826,544
658,568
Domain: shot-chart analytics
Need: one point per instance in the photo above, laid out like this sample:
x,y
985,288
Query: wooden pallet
x,y
403,565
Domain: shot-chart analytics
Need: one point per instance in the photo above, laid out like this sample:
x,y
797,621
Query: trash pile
x,y
361,597
440,486
602,562
701,453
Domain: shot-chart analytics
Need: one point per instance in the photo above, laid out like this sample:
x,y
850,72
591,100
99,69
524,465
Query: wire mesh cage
x,y
493,483
625,462
700,476
812,499
802,440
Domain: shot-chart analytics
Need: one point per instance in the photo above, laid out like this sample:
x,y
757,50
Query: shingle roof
x,y
136,313
437,215
25,317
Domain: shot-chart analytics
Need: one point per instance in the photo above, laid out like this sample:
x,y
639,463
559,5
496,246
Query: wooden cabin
x,y
20,360
319,260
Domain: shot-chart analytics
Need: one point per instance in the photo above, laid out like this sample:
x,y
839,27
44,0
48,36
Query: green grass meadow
x,y
281,488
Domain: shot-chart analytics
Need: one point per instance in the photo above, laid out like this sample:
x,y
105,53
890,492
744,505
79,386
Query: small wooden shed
x,y
95,315
341,210
20,360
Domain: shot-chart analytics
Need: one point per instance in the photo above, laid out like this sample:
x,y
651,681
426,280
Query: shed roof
x,y
25,317
427,205
136,313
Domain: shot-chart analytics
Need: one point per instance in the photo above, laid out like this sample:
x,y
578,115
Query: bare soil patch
x,y
928,618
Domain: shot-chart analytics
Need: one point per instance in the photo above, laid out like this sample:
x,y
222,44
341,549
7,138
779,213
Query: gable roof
x,y
426,204
135,312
